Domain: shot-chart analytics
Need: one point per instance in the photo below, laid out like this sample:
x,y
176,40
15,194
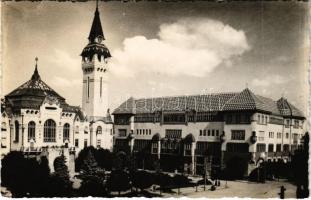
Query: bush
x,y
118,181
24,177
142,180
103,157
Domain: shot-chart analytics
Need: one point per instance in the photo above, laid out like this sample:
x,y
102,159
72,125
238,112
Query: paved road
x,y
270,189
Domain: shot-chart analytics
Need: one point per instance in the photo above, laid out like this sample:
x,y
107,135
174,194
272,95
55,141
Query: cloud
x,y
63,82
63,60
269,80
186,47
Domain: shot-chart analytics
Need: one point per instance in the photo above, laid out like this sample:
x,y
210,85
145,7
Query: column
x,y
131,145
193,157
159,149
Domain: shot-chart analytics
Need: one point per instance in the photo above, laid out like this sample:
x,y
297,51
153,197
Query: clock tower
x,y
95,67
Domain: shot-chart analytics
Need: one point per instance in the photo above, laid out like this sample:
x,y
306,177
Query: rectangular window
x,y
143,131
187,151
217,133
101,86
174,118
76,142
278,148
213,132
173,133
154,148
85,143
204,132
270,147
287,135
237,134
261,136
122,132
286,148
209,132
200,132
261,147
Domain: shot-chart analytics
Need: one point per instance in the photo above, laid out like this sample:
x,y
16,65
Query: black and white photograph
x,y
162,98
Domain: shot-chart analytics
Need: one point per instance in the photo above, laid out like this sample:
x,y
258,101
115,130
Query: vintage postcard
x,y
155,99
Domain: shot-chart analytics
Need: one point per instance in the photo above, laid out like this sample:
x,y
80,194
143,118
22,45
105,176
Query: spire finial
x,y
36,59
36,74
96,4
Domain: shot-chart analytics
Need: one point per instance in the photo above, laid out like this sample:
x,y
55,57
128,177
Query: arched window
x,y
66,132
3,126
49,131
31,130
99,130
16,139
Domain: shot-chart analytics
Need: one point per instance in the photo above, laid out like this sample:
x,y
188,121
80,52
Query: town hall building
x,y
37,120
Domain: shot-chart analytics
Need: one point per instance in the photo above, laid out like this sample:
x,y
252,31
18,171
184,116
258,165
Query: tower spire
x,y
36,75
96,29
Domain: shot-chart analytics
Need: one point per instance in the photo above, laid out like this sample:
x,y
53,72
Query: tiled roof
x,y
34,87
239,101
211,102
287,109
33,93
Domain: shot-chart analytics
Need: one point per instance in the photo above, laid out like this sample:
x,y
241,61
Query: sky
x,y
161,48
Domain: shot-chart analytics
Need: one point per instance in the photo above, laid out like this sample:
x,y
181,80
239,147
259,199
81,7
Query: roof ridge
x,y
196,95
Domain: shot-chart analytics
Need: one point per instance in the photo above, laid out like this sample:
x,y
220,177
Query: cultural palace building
x,y
188,132
37,120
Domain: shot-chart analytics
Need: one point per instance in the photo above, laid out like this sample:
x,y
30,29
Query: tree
x,y
104,158
299,167
25,176
82,156
92,178
60,180
118,181
142,180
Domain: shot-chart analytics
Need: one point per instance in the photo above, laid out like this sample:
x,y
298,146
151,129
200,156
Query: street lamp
x,y
253,137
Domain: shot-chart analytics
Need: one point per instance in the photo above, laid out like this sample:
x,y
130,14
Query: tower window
x,y
88,87
101,86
